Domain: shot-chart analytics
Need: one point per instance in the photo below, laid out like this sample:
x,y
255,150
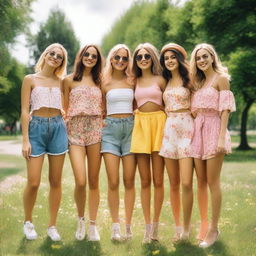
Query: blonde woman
x,y
148,132
178,134
211,104
44,132
118,91
83,106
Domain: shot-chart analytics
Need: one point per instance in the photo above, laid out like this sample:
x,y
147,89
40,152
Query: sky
x,y
91,20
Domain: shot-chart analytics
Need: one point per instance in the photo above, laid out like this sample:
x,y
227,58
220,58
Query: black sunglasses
x,y
56,55
87,54
122,58
146,56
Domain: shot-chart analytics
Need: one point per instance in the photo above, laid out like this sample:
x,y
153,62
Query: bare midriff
x,y
150,107
46,112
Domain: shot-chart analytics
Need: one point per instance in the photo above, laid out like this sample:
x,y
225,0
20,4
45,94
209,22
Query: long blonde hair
x,y
156,68
60,71
197,75
108,70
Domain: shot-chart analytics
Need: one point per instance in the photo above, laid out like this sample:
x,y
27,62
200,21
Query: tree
x,y
57,29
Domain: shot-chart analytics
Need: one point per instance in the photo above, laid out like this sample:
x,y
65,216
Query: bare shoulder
x,y
28,81
161,82
223,83
67,80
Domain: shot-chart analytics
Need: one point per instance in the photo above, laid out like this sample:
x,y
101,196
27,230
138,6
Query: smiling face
x,y
143,59
54,57
170,60
90,57
204,59
120,60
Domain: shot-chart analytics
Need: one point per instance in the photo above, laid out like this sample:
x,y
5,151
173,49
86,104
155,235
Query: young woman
x,y
211,104
118,92
83,106
178,133
44,132
148,132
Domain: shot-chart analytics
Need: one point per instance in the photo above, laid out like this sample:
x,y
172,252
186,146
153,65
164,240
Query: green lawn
x,y
237,224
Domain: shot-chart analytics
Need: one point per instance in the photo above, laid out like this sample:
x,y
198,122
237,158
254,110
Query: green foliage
x,y
57,29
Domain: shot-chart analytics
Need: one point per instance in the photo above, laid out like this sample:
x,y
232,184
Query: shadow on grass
x,y
154,248
241,156
4,172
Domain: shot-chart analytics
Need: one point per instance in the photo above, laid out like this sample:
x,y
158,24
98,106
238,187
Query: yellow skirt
x,y
147,132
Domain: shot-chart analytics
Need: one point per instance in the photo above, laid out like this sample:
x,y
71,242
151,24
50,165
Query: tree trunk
x,y
243,137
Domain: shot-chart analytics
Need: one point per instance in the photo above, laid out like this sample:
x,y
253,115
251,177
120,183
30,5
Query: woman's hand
x,y
26,149
221,145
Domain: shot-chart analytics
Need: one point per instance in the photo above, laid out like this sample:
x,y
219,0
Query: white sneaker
x,y
154,231
116,233
147,234
128,234
80,231
93,234
52,232
29,231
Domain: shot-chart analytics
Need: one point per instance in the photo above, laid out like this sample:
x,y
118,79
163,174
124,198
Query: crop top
x,y
85,100
120,101
48,97
176,98
151,93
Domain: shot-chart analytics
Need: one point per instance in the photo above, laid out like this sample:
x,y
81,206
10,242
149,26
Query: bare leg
x,y
129,168
112,163
77,156
186,173
94,161
34,168
55,173
172,167
145,177
202,196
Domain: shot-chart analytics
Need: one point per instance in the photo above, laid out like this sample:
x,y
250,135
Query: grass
x,y
237,223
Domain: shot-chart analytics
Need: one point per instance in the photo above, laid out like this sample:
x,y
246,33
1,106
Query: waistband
x,y
119,120
208,113
178,113
46,119
160,112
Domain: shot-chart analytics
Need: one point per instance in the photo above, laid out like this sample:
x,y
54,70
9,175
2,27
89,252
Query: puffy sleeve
x,y
227,101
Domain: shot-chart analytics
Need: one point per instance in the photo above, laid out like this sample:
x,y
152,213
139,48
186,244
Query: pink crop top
x,y
85,100
48,97
212,99
152,93
176,98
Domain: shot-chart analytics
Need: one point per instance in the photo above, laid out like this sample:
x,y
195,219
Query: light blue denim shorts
x,y
116,136
47,136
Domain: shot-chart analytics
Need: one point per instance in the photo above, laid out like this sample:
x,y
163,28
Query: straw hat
x,y
173,46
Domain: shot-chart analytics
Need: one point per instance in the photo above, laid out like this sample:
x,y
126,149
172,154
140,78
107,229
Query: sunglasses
x,y
56,55
122,58
146,56
87,54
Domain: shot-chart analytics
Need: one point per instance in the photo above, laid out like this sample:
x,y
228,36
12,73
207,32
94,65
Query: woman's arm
x,y
25,116
66,90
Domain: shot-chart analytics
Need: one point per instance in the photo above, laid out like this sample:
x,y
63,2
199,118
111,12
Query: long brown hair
x,y
79,66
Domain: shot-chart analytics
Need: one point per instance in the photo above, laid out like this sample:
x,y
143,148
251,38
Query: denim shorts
x,y
47,136
116,136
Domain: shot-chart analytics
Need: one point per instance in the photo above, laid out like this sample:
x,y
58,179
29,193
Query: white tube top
x,y
120,101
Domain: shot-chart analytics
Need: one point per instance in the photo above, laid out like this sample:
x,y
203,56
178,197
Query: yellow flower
x,y
155,252
56,246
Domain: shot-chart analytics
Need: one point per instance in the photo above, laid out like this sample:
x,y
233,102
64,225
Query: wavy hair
x,y
60,71
108,70
79,67
156,68
197,75
183,67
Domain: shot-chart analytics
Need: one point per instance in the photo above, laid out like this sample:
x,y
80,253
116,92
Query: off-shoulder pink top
x,y
176,98
48,97
151,93
85,100
209,98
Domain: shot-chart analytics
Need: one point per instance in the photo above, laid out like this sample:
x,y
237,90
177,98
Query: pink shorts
x,y
84,130
206,134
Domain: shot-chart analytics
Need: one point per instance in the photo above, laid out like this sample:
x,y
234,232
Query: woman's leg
x,y
112,163
34,168
55,173
186,173
202,196
129,168
77,156
94,161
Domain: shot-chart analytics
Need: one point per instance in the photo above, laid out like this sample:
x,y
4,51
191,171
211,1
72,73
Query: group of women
x,y
142,109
